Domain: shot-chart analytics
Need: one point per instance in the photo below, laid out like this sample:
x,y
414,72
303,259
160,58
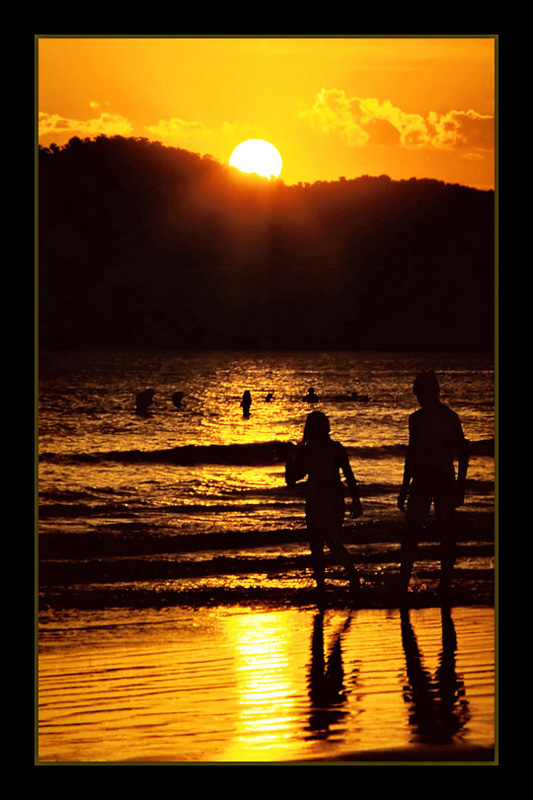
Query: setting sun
x,y
257,155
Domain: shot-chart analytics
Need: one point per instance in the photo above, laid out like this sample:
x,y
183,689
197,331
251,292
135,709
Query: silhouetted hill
x,y
142,245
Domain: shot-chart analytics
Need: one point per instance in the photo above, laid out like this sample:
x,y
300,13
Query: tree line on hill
x,y
143,246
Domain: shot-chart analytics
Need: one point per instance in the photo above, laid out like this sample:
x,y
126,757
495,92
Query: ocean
x,y
188,505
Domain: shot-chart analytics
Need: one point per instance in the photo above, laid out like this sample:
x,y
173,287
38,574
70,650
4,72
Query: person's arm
x,y
357,508
408,468
295,468
463,457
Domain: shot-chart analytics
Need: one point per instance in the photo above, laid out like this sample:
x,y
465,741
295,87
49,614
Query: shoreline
x,y
338,598
139,568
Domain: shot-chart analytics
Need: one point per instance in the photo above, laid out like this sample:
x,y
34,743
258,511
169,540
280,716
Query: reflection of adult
x,y
322,460
438,702
436,439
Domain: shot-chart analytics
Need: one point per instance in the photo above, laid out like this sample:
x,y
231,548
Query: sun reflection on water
x,y
267,702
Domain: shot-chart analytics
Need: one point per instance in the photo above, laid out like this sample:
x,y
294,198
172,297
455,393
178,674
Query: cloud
x,y
240,132
363,121
53,126
334,112
462,129
178,132
178,129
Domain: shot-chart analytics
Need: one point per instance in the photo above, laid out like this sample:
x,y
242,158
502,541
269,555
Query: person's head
x,y
426,387
316,426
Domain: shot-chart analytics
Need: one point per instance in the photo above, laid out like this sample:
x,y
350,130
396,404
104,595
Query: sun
x,y
257,155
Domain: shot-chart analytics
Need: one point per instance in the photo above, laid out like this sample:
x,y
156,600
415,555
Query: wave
x,y
229,579
69,504
253,454
476,590
63,572
125,539
135,565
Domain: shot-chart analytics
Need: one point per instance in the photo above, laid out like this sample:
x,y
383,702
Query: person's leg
x,y
343,558
445,515
334,520
418,507
316,544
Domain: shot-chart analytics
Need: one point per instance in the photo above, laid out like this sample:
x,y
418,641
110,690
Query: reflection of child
x,y
322,459
246,402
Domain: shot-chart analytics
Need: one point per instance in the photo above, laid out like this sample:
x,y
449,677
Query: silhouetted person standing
x,y
322,460
436,441
246,402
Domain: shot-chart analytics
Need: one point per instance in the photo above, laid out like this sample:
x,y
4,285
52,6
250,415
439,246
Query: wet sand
x,y
264,685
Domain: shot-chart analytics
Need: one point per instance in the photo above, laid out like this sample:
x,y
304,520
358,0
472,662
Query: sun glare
x,y
257,155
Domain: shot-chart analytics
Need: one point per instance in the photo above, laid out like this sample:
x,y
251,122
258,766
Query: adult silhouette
x,y
246,402
322,460
436,441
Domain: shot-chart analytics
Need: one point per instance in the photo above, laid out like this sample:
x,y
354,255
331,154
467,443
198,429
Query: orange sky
x,y
404,107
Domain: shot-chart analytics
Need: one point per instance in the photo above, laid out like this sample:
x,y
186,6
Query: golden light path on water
x,y
267,688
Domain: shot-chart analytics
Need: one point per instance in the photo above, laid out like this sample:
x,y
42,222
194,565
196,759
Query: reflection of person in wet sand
x,y
322,460
435,439
327,690
246,402
440,709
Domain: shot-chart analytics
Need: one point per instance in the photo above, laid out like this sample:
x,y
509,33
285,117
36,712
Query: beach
x,y
258,684
249,350
177,621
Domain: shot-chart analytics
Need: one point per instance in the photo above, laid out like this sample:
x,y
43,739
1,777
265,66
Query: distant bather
x,y
360,398
144,400
311,397
246,402
177,397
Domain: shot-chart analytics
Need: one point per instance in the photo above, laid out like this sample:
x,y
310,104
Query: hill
x,y
147,246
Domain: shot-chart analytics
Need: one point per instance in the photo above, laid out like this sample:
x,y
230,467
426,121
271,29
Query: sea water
x,y
192,500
